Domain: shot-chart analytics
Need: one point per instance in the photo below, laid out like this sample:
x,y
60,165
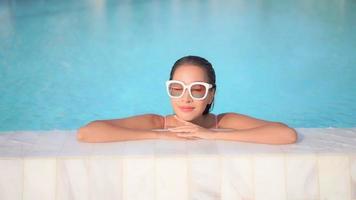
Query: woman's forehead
x,y
190,73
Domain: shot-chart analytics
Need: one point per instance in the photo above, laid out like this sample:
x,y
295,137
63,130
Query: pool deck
x,y
62,143
54,165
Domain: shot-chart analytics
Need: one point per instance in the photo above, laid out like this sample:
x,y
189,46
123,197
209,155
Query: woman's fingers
x,y
189,137
174,136
186,135
189,132
179,127
193,138
182,129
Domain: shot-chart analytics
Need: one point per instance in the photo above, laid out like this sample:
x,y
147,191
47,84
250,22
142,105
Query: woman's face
x,y
188,74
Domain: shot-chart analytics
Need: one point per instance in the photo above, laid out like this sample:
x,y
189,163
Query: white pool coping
x,y
54,165
63,143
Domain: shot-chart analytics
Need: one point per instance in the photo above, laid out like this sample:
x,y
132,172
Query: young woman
x,y
191,88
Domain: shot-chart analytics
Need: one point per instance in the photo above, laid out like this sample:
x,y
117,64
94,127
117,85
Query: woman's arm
x,y
132,128
101,131
248,129
274,133
241,128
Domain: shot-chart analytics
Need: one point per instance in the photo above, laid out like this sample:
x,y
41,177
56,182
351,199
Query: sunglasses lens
x,y
198,90
175,89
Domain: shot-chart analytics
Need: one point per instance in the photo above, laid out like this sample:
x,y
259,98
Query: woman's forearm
x,y
275,133
99,131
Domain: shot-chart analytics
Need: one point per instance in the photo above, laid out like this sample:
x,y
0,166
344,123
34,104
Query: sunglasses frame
x,y
206,85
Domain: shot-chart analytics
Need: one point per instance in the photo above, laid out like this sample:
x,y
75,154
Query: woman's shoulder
x,y
148,116
239,121
232,115
141,121
228,115
156,119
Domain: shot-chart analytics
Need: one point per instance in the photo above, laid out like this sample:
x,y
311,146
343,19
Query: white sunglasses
x,y
197,90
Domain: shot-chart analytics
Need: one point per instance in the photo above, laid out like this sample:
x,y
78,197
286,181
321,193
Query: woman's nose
x,y
186,96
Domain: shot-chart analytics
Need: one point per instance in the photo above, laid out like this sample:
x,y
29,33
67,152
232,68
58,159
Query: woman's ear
x,y
212,96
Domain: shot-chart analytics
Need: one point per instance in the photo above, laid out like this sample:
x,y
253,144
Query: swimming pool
x,y
64,63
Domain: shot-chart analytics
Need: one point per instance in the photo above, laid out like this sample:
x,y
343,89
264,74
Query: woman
x,y
191,88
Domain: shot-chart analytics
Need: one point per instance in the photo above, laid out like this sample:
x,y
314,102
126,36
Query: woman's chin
x,y
186,116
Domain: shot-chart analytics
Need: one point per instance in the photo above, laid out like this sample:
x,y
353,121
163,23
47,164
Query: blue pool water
x,y
64,63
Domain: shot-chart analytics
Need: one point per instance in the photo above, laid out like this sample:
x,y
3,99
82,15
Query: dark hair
x,y
200,62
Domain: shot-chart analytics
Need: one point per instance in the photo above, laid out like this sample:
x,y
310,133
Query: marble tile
x,y
139,148
320,166
10,151
201,147
17,143
108,149
73,179
170,148
171,178
74,148
4,137
269,177
47,145
11,179
353,175
23,138
334,176
328,140
245,148
39,179
204,177
105,178
139,178
302,176
228,148
237,178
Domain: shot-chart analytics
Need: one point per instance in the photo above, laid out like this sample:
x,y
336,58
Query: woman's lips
x,y
186,108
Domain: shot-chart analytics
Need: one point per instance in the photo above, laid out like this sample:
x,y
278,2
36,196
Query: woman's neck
x,y
200,121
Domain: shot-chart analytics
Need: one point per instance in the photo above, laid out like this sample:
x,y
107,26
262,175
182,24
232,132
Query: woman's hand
x,y
168,135
192,131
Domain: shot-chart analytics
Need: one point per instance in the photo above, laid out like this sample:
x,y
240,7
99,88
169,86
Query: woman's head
x,y
189,71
